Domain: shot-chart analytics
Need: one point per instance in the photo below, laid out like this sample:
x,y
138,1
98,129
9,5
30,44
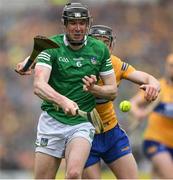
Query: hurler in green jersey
x,y
68,67
66,77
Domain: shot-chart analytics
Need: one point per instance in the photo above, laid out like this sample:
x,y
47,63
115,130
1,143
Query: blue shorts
x,y
151,148
109,146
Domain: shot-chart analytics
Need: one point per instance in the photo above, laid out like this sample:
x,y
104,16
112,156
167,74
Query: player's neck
x,y
75,47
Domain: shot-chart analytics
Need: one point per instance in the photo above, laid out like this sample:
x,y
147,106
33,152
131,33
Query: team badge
x,y
93,60
43,142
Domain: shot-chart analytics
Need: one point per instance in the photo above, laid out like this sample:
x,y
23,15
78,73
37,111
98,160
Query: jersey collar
x,y
67,43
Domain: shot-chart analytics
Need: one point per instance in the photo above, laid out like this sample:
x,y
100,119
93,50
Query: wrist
x,y
59,100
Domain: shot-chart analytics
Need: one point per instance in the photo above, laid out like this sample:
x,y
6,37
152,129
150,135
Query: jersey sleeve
x,y
106,66
121,68
45,58
116,63
126,69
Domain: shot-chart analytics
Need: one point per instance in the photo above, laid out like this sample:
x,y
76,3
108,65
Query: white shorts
x,y
53,136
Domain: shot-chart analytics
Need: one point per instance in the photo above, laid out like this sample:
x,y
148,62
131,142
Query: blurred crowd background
x,y
144,37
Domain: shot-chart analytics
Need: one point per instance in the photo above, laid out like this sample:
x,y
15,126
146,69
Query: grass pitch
x,y
106,174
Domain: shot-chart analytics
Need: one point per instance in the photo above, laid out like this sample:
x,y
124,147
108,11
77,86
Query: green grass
x,y
106,174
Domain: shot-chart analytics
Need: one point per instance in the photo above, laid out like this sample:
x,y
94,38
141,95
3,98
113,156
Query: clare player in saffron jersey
x,y
113,145
158,135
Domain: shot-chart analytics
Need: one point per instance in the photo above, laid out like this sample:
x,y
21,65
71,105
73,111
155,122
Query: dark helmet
x,y
75,11
102,31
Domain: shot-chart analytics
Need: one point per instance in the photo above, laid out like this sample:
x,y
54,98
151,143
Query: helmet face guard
x,y
75,11
102,31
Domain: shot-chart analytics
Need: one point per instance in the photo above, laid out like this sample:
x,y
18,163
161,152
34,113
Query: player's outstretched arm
x,y
140,108
46,92
108,90
147,82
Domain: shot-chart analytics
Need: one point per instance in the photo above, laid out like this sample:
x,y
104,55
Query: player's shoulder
x,y
58,38
115,58
93,42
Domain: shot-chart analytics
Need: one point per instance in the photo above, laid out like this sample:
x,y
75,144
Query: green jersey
x,y
68,67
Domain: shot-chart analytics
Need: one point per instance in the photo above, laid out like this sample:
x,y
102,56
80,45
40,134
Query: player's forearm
x,y
140,77
148,79
106,91
46,92
153,81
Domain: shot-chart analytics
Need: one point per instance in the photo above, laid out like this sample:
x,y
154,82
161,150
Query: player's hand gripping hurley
x,y
41,43
94,118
